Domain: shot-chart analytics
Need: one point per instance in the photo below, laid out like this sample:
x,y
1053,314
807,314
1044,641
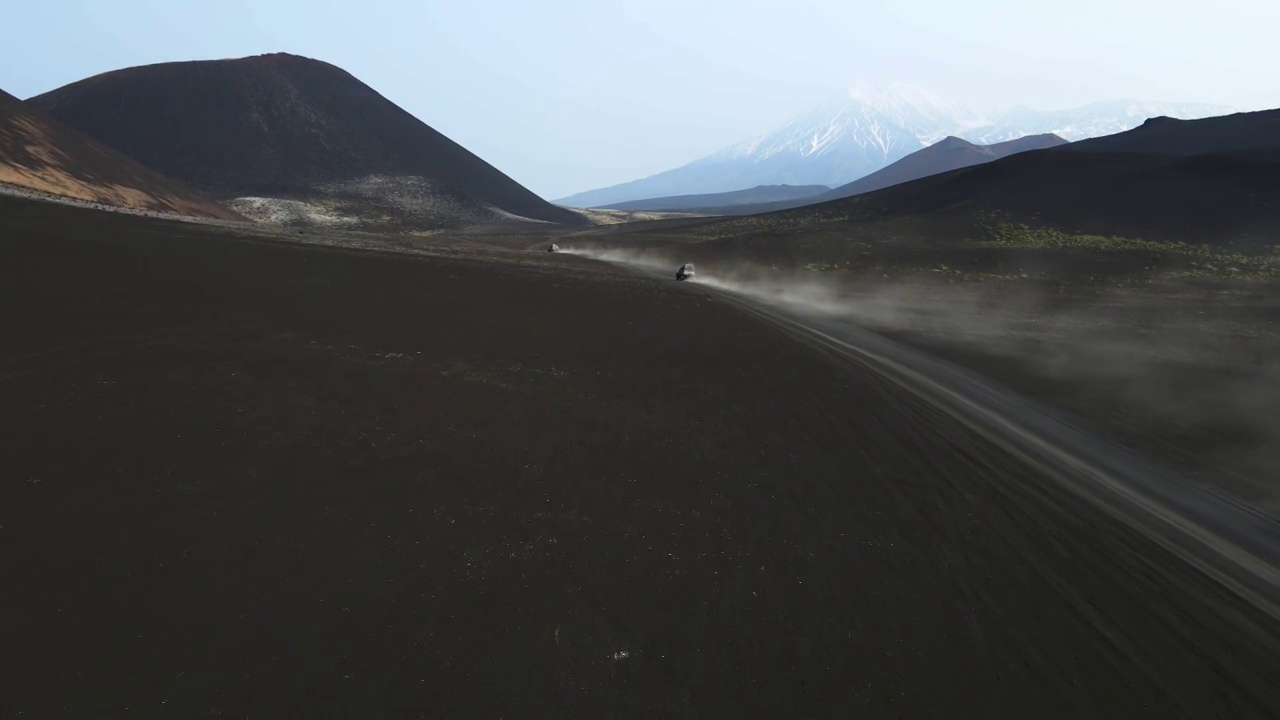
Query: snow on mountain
x,y
848,136
875,119
867,128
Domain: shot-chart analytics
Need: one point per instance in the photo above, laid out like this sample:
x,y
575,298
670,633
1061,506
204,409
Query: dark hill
x,y
751,196
1236,133
284,126
951,153
1197,199
41,154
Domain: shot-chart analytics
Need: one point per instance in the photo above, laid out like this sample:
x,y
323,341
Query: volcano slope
x,y
248,478
40,154
288,137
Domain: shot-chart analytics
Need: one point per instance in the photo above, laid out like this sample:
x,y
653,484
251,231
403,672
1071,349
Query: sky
x,y
570,95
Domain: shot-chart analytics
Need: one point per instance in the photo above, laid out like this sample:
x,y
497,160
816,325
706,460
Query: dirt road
x,y
243,478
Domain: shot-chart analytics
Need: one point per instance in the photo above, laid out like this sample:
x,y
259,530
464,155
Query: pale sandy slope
x,y
41,154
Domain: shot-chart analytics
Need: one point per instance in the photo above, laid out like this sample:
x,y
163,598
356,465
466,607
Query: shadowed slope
x,y
1239,132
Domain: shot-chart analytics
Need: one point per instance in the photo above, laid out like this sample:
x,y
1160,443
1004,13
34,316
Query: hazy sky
x,y
568,95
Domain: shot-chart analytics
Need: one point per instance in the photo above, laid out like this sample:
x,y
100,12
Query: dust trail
x,y
648,260
1194,374
914,304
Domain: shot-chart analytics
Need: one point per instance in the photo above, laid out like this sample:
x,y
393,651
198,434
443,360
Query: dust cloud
x,y
1187,373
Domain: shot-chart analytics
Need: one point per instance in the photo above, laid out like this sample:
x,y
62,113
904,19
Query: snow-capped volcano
x,y
878,119
868,127
911,106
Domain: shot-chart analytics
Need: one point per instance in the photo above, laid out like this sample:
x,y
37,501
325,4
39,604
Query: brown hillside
x,y
39,153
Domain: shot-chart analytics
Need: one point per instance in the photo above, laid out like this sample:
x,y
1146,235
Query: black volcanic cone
x,y
274,124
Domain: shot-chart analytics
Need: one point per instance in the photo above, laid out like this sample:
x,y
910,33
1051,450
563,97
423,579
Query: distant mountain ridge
x,y
951,153
281,128
859,132
743,198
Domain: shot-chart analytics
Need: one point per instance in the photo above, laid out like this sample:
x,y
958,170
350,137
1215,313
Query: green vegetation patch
x,y
1258,263
1021,235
